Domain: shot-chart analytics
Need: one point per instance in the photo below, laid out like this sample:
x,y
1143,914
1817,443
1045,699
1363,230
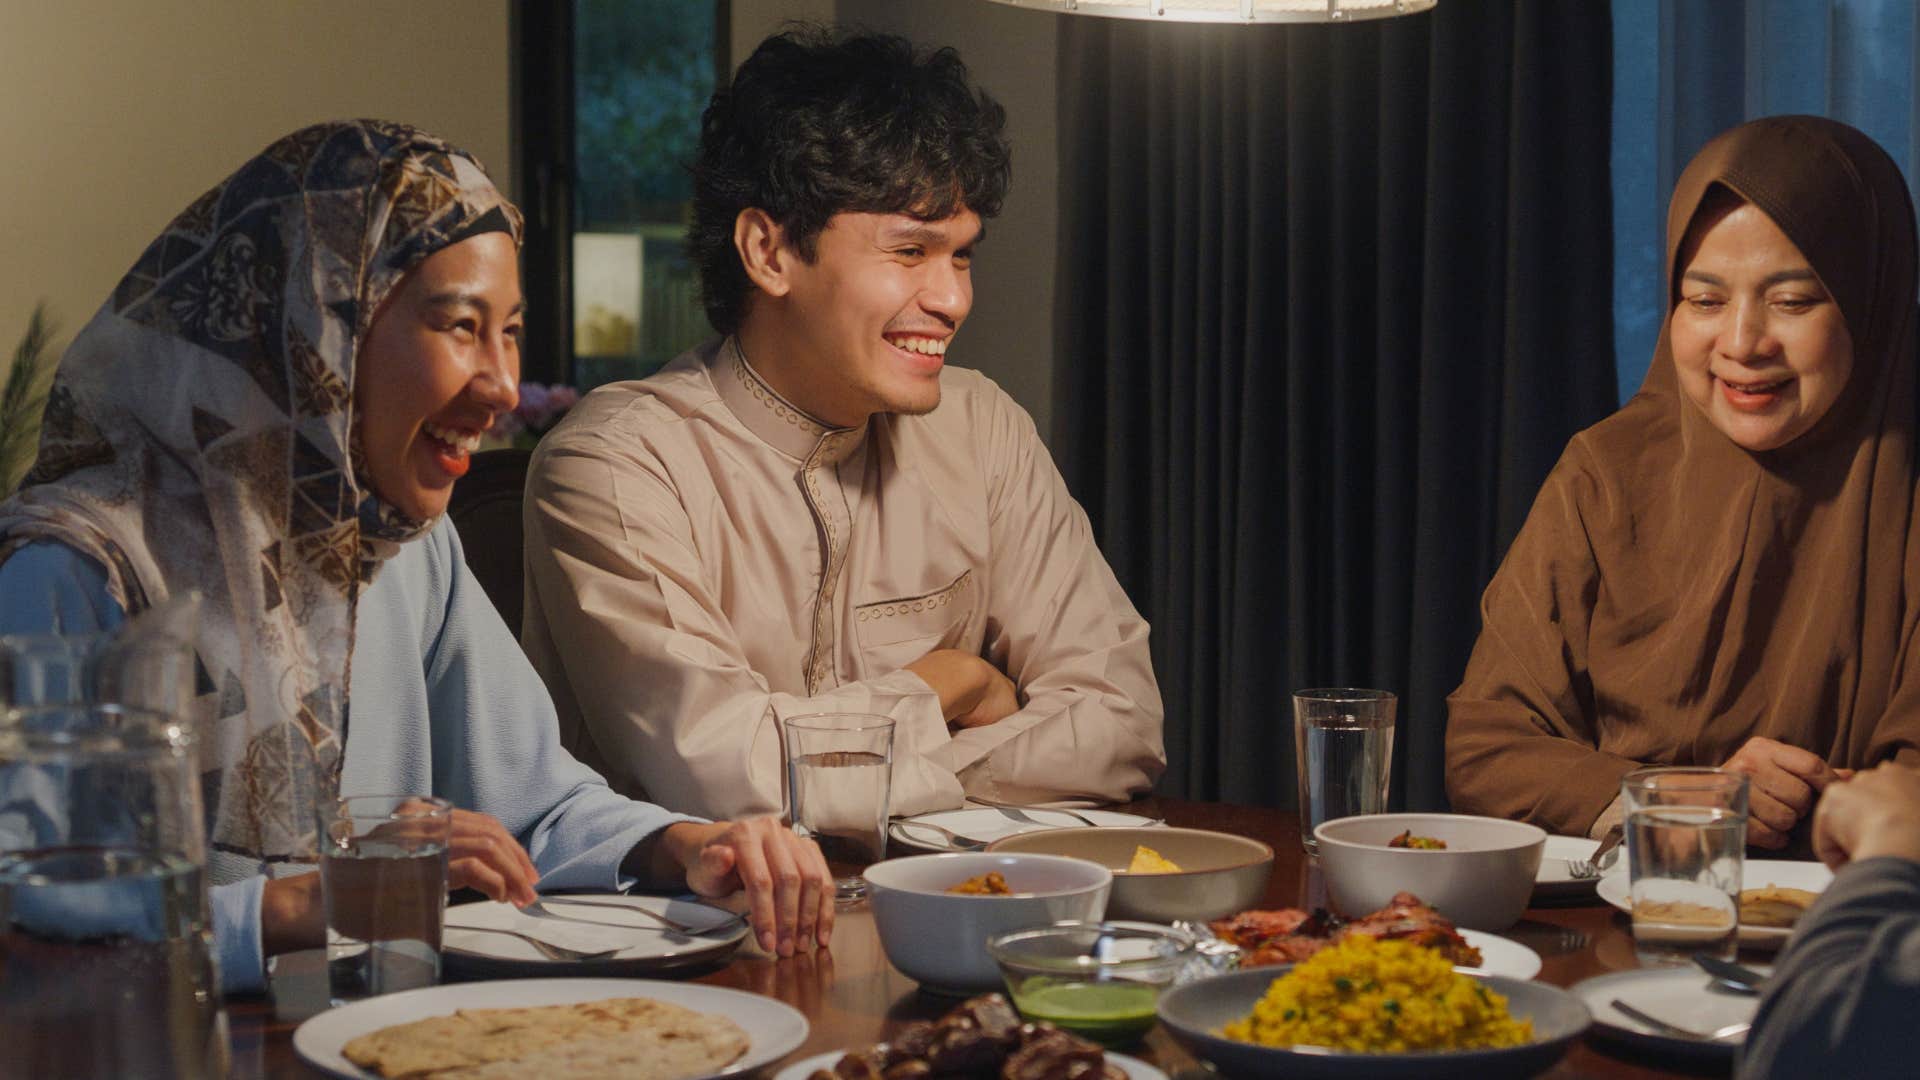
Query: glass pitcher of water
x,y
105,953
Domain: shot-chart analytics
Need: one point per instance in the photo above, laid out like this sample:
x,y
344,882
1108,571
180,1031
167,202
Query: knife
x,y
1731,975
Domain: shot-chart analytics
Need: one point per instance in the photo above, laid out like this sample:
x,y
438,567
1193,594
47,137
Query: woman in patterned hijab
x,y
277,396
198,436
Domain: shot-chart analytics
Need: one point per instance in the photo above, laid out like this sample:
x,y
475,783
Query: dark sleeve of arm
x,y
1843,996
1522,737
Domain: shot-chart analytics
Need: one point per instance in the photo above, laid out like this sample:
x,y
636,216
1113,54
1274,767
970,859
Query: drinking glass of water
x,y
383,871
839,783
1686,841
1343,748
106,966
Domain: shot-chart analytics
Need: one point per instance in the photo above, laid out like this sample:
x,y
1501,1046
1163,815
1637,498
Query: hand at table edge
x,y
789,888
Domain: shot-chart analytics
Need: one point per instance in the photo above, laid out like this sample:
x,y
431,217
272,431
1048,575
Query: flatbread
x,y
631,1038
1775,905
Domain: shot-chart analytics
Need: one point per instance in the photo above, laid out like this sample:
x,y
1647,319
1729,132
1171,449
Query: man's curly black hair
x,y
817,124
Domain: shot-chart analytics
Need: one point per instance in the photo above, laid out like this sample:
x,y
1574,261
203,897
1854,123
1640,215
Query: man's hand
x,y
789,888
973,693
1783,783
1874,813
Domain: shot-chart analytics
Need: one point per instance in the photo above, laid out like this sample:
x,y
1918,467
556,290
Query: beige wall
x,y
118,113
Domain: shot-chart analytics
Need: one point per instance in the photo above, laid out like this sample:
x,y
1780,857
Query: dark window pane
x,y
642,73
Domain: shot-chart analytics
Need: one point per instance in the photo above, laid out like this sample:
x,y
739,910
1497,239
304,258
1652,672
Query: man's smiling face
x,y
874,310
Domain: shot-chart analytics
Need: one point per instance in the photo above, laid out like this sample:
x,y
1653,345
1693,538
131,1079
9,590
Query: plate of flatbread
x,y
1776,893
987,825
634,1028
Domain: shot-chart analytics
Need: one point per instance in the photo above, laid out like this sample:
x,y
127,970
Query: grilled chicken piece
x,y
1406,918
1251,928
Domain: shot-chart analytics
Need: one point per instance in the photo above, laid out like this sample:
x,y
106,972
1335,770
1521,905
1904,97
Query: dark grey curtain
x,y
1333,300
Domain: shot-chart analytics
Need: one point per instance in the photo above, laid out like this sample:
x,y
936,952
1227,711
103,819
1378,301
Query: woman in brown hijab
x,y
1727,570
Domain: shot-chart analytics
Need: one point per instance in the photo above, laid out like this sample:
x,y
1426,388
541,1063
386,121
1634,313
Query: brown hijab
x,y
1672,594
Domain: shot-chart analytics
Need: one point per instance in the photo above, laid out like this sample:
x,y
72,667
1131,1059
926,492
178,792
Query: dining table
x,y
852,997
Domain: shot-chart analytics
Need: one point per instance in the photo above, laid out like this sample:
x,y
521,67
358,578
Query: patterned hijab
x,y
200,435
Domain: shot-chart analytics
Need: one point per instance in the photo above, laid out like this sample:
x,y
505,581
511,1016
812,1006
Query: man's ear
x,y
764,254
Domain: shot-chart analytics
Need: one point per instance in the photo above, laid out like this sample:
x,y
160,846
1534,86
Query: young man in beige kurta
x,y
814,513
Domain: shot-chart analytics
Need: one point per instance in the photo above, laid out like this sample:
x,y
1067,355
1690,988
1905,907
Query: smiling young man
x,y
814,513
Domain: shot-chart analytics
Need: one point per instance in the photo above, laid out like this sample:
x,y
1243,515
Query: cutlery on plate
x,y
958,842
1723,1034
1592,866
546,948
675,925
1018,811
1736,977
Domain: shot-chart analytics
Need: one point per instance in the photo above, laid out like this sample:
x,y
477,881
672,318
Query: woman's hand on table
x,y
481,855
1874,813
1783,784
789,888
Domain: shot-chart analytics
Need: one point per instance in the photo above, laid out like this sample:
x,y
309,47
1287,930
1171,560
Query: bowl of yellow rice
x,y
1364,1007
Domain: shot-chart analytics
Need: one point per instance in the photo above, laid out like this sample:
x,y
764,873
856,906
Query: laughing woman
x,y
271,409
1726,572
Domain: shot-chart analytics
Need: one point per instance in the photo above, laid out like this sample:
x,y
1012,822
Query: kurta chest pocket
x,y
940,615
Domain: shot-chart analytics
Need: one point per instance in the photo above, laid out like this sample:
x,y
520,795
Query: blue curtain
x,y
1686,70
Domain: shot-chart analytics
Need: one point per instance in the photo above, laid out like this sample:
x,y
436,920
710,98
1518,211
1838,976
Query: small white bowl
x,y
1481,881
939,938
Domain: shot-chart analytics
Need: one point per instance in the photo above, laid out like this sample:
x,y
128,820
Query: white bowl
x,y
1482,880
1220,873
939,938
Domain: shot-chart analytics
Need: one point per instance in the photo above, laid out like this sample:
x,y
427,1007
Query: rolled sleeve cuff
x,y
235,909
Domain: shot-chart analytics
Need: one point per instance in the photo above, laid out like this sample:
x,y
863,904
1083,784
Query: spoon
x,y
1736,977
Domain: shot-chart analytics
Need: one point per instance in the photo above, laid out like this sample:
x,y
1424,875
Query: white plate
x,y
1759,873
646,946
800,1070
1501,956
982,823
1553,879
775,1027
1679,995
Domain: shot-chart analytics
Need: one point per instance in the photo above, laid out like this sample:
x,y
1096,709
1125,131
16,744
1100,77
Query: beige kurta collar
x,y
778,422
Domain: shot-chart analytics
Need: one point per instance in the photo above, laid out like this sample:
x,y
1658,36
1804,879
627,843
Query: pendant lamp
x,y
1250,11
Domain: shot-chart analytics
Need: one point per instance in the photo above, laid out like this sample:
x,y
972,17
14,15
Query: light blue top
x,y
443,701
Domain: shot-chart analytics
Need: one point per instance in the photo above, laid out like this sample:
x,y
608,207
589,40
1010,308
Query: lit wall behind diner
x,y
115,114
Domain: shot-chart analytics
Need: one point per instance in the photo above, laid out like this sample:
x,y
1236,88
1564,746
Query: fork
x,y
960,843
1591,867
1018,811
546,948
1674,1030
674,925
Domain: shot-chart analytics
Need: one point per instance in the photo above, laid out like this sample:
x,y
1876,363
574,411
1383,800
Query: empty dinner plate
x,y
987,825
1685,996
590,923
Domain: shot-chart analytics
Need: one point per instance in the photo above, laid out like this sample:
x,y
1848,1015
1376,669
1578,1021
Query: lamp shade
x,y
1232,10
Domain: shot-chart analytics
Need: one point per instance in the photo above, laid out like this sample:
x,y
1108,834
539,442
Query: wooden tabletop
x,y
853,997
